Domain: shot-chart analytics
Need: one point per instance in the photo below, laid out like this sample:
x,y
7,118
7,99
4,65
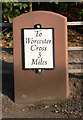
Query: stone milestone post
x,y
40,57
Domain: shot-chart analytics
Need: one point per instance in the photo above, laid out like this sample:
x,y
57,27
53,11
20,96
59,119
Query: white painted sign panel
x,y
38,48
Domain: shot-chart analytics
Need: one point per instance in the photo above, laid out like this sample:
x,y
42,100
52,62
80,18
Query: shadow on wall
x,y
8,79
79,76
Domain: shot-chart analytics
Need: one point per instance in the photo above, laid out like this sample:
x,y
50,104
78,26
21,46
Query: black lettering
x,y
32,47
45,62
39,55
26,40
34,62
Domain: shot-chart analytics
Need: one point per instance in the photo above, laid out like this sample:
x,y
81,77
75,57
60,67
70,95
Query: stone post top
x,y
40,13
